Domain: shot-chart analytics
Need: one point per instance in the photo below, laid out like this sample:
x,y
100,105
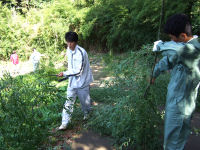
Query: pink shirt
x,y
14,58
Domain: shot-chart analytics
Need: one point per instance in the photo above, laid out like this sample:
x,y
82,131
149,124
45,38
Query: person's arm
x,y
169,51
163,65
78,67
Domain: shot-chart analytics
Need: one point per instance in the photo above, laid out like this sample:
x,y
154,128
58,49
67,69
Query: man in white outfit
x,y
80,77
35,58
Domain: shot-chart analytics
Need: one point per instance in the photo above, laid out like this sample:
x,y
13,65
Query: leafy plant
x,y
28,111
135,122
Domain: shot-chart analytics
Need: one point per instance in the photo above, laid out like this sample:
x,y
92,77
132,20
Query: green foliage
x,y
42,28
123,25
112,24
195,17
28,110
135,122
5,15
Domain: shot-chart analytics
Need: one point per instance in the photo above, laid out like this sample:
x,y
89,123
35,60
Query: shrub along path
x,y
80,138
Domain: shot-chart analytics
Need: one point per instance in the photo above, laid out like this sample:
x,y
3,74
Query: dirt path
x,y
89,140
80,139
22,68
194,139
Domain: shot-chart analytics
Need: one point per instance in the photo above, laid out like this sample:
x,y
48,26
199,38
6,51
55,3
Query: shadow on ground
x,y
194,139
89,140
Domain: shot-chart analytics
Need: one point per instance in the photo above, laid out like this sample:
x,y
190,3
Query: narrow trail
x,y
85,139
22,68
194,138
82,139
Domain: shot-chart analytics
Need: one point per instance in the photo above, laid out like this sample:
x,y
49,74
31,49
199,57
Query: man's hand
x,y
60,74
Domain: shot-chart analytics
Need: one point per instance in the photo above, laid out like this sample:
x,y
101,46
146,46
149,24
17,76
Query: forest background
x,y
123,30
102,25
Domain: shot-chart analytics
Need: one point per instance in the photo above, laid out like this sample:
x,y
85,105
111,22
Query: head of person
x,y
71,39
34,49
14,52
179,28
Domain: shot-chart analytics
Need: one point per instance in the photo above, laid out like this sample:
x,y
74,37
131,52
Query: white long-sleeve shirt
x,y
79,67
35,57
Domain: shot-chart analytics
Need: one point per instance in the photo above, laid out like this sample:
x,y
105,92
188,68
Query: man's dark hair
x,y
177,24
71,36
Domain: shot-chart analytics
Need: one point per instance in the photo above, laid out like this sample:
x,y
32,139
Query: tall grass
x,y
135,122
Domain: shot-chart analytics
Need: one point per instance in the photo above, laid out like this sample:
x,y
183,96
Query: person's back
x,y
14,58
189,55
35,58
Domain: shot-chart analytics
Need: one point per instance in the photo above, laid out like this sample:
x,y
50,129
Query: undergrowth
x,y
135,122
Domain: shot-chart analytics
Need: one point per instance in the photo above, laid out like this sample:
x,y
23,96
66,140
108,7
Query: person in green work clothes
x,y
182,57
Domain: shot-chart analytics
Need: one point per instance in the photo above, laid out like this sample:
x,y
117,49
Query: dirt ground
x,y
21,69
194,138
79,139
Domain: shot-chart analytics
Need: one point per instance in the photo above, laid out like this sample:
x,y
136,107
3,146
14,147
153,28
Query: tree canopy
x,y
101,24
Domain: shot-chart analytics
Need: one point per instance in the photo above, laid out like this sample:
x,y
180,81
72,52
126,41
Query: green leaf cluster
x,y
28,111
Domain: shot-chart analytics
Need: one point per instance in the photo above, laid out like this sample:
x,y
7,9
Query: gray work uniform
x,y
184,60
79,68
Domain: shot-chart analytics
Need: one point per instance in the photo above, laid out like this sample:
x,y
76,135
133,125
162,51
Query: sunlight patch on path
x,y
100,76
23,68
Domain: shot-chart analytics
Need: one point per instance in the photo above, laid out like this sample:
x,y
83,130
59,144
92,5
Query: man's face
x,y
71,45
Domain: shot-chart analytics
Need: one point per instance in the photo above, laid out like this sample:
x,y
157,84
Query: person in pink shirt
x,y
15,60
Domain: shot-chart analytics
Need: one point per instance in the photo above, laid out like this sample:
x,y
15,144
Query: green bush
x,y
28,111
123,25
135,122
101,24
